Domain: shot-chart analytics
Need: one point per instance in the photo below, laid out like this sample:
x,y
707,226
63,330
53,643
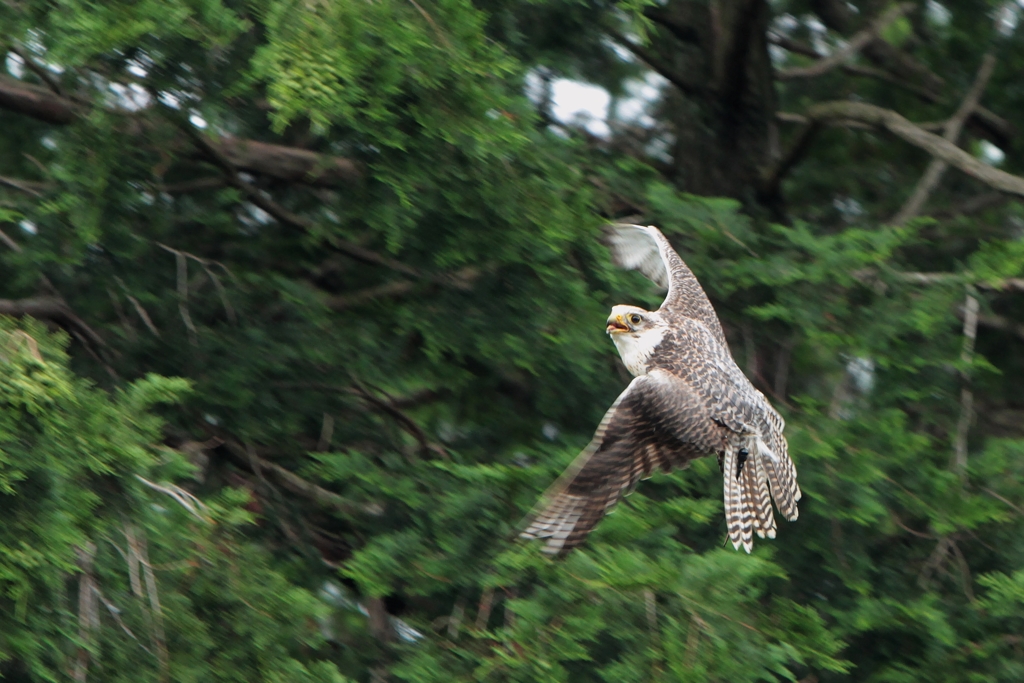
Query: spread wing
x,y
631,442
636,247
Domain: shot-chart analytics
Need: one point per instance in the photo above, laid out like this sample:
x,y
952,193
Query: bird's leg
x,y
741,457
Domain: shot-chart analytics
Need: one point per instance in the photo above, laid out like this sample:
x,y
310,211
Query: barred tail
x,y
782,477
756,484
739,513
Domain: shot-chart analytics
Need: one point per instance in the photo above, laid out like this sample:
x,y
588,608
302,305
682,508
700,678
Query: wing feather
x,y
625,449
644,248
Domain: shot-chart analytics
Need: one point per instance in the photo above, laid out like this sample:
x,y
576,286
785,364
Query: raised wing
x,y
636,247
630,443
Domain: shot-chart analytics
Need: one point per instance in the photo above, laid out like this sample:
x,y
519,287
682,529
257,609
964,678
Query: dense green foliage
x,y
292,417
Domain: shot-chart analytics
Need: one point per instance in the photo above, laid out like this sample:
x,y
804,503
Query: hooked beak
x,y
616,324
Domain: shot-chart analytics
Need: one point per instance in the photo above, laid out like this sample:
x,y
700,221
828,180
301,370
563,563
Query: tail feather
x,y
756,482
738,516
782,478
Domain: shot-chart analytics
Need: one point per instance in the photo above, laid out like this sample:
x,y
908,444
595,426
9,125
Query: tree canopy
x,y
302,305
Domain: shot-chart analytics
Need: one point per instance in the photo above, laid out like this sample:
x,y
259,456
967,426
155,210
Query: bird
x,y
687,399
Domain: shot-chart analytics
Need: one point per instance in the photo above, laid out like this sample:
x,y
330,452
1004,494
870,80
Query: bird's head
x,y
632,320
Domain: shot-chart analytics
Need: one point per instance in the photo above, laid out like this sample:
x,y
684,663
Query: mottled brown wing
x,y
692,353
630,444
644,248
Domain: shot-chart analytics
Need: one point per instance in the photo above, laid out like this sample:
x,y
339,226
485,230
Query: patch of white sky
x,y
1007,16
592,107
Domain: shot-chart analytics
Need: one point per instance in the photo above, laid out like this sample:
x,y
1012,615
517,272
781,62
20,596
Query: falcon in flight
x,y
688,399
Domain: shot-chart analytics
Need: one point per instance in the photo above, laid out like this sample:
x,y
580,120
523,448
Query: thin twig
x,y
970,333
138,308
410,426
116,614
645,55
297,484
951,132
455,620
11,244
206,264
965,572
1018,509
483,610
182,277
857,43
31,187
88,615
188,501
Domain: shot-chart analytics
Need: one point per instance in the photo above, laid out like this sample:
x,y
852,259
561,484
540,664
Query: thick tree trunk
x,y
725,110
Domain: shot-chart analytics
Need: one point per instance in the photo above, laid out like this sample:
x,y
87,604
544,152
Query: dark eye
x,y
635,318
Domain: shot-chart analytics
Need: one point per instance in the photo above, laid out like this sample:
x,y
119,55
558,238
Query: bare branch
x,y
37,102
277,161
206,264
1003,285
196,507
158,637
483,610
408,424
796,46
50,308
32,187
197,185
655,63
297,484
963,425
282,214
388,290
915,135
1018,509
88,616
412,400
908,73
138,308
951,132
181,270
972,205
289,163
770,188
855,45
11,244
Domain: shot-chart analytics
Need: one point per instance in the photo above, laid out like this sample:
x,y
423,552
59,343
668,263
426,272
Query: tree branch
x,y
909,72
36,102
950,133
297,484
460,279
770,187
40,71
857,43
655,63
915,135
282,214
963,425
290,164
53,309
1009,284
31,187
996,322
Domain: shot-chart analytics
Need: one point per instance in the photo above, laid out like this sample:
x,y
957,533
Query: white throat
x,y
635,348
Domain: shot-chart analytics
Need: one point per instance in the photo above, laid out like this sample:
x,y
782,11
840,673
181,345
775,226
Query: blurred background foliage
x,y
305,305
